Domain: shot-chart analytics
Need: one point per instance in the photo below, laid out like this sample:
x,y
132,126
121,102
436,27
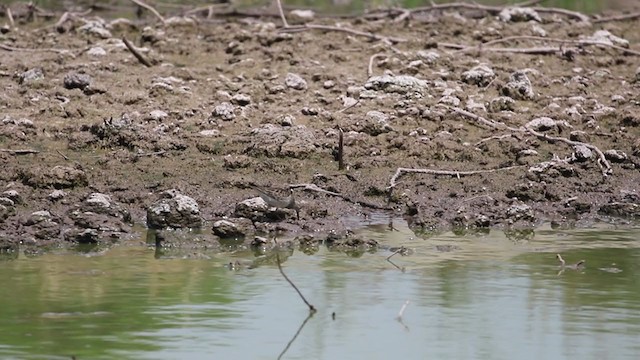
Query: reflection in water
x,y
475,296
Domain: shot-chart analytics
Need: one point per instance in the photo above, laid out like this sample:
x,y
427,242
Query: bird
x,y
577,266
273,200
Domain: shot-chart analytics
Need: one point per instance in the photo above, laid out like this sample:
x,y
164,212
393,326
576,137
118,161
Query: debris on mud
x,y
458,116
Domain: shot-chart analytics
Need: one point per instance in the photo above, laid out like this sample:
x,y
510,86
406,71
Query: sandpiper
x,y
288,202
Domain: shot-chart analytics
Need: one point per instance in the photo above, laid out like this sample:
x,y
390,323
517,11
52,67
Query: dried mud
x,y
237,102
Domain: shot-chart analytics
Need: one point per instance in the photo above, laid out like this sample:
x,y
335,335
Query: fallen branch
x,y
483,46
402,171
136,53
604,164
369,35
11,48
20,151
282,17
12,23
631,16
150,8
494,10
371,60
312,309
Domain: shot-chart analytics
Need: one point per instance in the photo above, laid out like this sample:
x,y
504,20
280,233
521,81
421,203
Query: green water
x,y
492,297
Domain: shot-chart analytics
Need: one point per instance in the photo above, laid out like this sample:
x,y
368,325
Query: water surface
x,y
476,296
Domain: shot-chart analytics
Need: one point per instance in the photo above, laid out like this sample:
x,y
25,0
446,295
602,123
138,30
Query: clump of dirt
x,y
459,118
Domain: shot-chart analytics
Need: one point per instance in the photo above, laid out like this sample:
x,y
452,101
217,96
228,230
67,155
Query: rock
x,y
519,87
428,57
301,16
43,225
224,111
56,195
604,36
210,133
96,51
58,177
174,210
31,75
241,99
273,140
157,115
329,84
295,82
375,123
77,81
401,84
480,75
238,228
545,123
7,202
236,162
286,120
615,156
82,236
5,212
95,28
579,135
621,209
501,103
581,153
253,208
519,14
517,212
181,21
13,195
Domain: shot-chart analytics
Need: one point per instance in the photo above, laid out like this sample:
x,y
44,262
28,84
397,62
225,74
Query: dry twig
x,y
402,171
150,8
631,16
20,151
136,53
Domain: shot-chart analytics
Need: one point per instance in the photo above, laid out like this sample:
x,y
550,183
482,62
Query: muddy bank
x,y
512,119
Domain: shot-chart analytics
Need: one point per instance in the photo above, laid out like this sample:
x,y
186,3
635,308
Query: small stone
x,y
287,120
38,217
96,51
77,81
225,111
13,195
615,156
581,153
56,195
210,133
31,75
328,84
7,202
96,28
157,115
226,229
241,99
480,75
428,57
295,82
519,87
519,14
301,15
501,103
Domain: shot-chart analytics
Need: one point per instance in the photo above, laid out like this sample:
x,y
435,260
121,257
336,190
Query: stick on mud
x,y
340,149
136,53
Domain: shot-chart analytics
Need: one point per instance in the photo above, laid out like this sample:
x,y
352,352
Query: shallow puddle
x,y
475,296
